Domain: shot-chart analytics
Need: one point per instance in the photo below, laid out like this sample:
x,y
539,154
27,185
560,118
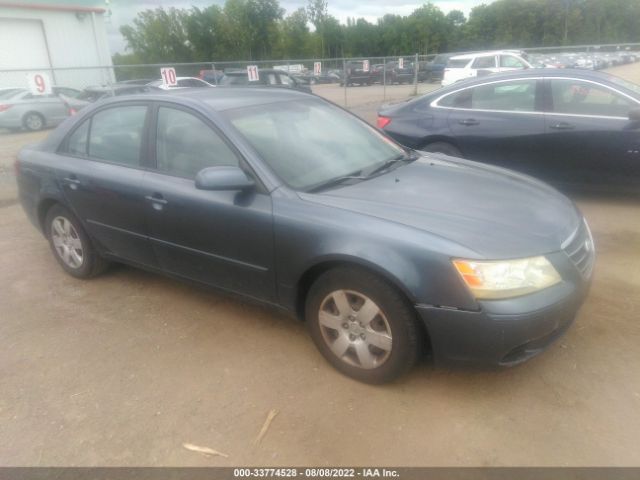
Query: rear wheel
x,y
71,245
33,121
443,147
362,325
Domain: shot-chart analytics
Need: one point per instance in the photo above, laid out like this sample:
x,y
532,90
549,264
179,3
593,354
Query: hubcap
x,y
67,242
355,329
34,122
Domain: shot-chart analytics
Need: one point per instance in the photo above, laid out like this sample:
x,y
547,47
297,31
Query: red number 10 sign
x,y
168,75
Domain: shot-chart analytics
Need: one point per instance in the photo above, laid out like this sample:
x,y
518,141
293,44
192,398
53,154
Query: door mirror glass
x,y
223,178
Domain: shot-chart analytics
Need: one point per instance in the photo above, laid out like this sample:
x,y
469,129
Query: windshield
x,y
308,143
10,92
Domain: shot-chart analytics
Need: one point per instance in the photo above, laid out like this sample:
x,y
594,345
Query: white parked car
x,y
472,65
183,82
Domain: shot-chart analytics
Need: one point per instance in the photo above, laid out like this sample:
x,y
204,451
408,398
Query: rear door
x,y
498,122
589,137
100,168
221,238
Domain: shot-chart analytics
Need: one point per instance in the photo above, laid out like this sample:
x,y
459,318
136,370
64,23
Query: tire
x,y
33,121
443,147
70,244
370,347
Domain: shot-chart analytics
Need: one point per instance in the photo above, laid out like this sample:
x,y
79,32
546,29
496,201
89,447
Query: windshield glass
x,y
308,143
234,80
10,92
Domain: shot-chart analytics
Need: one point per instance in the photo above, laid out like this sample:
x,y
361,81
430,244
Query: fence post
x,y
384,79
215,73
416,67
345,80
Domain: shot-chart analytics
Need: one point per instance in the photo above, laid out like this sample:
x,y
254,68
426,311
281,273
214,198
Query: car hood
x,y
492,211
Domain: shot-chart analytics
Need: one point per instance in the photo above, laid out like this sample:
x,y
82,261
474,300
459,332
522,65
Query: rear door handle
x,y
469,122
562,126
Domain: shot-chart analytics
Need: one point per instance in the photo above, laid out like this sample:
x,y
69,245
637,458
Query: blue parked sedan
x,y
289,200
563,126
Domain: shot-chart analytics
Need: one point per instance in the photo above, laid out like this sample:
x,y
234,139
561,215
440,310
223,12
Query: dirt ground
x,y
125,368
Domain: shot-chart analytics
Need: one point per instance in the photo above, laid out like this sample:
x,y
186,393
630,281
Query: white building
x,y
50,38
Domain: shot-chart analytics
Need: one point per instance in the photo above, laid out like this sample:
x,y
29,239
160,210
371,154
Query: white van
x,y
472,65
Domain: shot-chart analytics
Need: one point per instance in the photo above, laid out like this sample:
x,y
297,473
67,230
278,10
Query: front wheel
x,y
71,245
362,325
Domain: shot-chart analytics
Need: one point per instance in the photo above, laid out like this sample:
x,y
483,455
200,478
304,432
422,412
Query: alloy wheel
x,y
67,242
355,329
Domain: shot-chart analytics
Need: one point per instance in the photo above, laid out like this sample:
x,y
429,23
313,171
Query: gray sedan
x,y
288,200
21,109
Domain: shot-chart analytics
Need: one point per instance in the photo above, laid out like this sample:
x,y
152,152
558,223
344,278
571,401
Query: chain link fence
x,y
351,82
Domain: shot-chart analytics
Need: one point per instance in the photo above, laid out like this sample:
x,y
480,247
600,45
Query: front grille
x,y
579,248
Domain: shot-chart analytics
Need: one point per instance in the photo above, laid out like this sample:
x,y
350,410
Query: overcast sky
x,y
123,11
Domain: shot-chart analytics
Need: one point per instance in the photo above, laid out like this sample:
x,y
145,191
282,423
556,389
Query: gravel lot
x,y
125,368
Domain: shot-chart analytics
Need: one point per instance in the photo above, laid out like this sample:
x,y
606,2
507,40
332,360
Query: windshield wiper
x,y
335,181
387,164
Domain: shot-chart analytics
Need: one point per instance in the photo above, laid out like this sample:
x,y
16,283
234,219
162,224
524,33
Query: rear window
x,y
457,63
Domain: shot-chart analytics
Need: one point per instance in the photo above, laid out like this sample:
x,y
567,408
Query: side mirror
x,y
634,115
223,178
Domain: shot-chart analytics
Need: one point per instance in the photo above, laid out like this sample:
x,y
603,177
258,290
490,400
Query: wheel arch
x,y
439,138
29,112
313,272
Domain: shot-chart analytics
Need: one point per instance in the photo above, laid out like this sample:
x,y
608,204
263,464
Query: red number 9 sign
x,y
39,83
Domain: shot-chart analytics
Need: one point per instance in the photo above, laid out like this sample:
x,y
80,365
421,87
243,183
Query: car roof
x,y
221,99
469,56
534,73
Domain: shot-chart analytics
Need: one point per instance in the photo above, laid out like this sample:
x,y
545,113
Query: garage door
x,y
22,44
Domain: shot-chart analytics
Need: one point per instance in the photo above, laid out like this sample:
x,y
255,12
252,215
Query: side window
x,y
517,96
272,79
484,62
509,61
116,134
460,99
286,80
77,142
583,98
185,144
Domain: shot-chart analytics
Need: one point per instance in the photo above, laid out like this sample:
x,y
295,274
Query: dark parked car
x,y
289,200
355,74
434,70
269,77
578,127
395,74
212,77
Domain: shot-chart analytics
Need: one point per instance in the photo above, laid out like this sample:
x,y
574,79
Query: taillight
x,y
383,121
4,107
72,111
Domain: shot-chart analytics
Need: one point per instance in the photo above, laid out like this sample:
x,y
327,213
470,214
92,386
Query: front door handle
x,y
469,122
73,181
562,126
157,200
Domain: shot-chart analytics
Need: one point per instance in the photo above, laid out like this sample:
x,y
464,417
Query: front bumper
x,y
502,332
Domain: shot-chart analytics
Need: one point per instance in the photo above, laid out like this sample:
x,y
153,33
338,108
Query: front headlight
x,y
506,278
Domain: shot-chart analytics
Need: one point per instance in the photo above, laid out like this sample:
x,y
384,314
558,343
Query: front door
x,y
589,136
221,238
